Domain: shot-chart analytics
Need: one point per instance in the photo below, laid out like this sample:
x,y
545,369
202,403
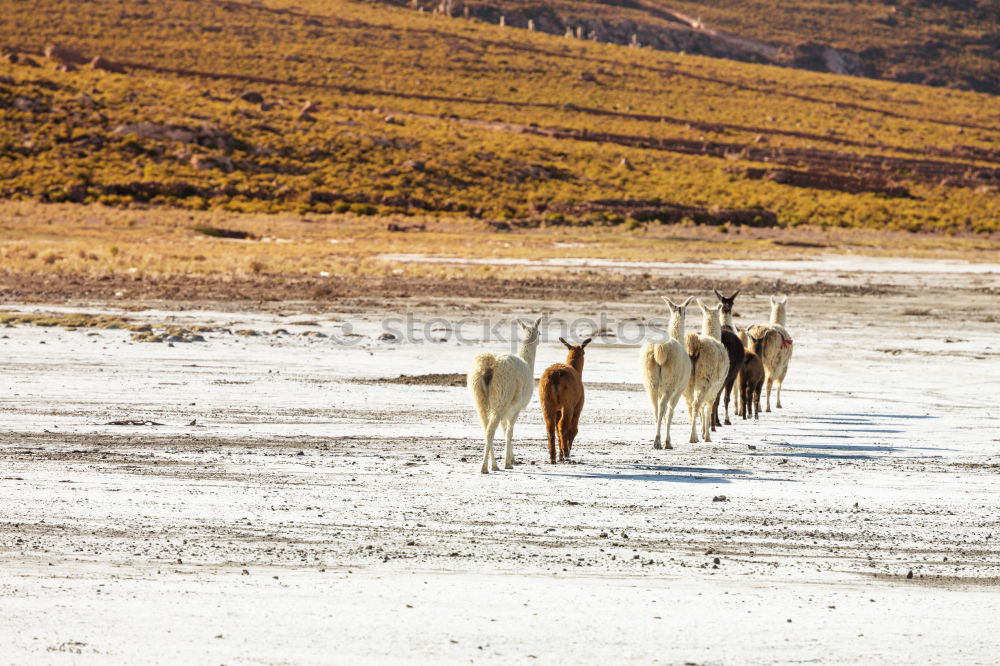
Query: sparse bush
x,y
363,209
216,232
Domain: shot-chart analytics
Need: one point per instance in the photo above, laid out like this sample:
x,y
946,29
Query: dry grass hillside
x,y
955,43
342,111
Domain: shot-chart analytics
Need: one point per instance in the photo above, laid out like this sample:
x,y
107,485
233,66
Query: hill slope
x,y
954,44
334,106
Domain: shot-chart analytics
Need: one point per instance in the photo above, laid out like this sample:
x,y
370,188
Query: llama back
x,y
556,379
786,341
513,384
662,361
500,384
716,359
769,347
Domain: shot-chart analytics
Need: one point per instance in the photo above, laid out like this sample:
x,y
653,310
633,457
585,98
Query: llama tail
x,y
652,359
479,379
692,343
660,354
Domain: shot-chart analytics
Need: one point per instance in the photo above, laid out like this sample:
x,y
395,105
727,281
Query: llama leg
x,y
508,457
781,382
705,421
493,455
550,429
551,416
574,427
694,411
713,412
491,429
656,417
551,421
737,394
670,406
729,391
768,380
661,411
565,433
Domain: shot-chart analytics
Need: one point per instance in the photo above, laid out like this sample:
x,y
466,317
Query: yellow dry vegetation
x,y
417,115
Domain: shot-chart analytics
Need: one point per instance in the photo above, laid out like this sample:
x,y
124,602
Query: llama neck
x,y
778,316
727,320
711,327
575,361
676,327
527,352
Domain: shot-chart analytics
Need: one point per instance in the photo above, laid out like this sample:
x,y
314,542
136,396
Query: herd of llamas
x,y
702,367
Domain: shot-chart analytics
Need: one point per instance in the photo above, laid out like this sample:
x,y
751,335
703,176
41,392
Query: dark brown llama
x,y
751,379
561,393
734,348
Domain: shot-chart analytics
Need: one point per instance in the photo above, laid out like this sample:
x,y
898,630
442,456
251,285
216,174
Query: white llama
x,y
666,370
709,367
775,351
501,386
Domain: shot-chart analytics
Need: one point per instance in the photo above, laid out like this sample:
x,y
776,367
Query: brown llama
x,y
751,377
561,392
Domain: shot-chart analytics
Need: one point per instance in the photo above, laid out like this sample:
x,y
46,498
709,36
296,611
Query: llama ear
x,y
687,301
568,345
718,295
702,305
772,300
538,321
585,343
668,302
784,300
733,297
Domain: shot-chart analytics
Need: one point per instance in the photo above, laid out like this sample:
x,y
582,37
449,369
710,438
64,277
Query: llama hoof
x,y
509,466
657,446
667,446
484,471
728,423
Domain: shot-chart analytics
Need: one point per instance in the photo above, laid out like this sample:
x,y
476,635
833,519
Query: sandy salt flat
x,y
367,534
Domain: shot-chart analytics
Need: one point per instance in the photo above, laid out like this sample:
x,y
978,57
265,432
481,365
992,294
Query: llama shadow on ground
x,y
842,451
872,417
814,454
670,473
